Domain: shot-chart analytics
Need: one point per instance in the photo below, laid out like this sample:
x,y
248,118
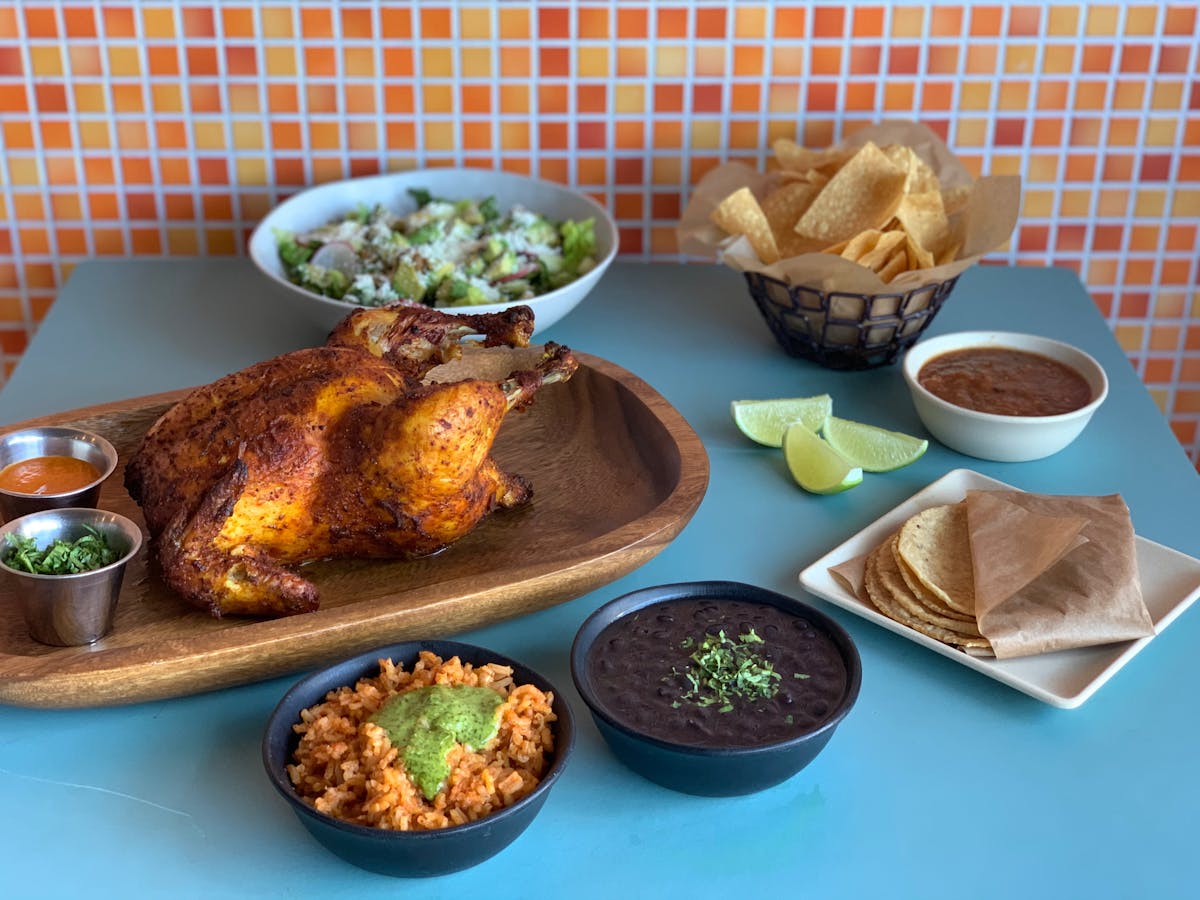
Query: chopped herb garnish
x,y
91,551
724,669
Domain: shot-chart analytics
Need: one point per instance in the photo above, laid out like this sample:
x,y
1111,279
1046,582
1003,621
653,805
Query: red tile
x,y
710,22
1070,237
1156,167
1033,238
665,206
864,59
706,98
591,135
822,97
627,170
668,98
1108,237
241,60
829,21
554,62
552,135
904,60
1135,57
1009,133
1173,60
591,98
50,97
198,22
554,22
213,171
201,60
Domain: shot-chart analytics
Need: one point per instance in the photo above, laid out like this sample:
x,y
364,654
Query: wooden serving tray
x,y
616,471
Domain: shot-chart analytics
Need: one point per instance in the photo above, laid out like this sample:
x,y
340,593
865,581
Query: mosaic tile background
x,y
166,128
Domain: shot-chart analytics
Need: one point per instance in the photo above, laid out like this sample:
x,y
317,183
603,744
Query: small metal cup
x,y
54,440
70,610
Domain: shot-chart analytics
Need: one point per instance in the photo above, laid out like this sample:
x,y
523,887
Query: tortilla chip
x,y
936,545
739,213
864,194
784,205
794,157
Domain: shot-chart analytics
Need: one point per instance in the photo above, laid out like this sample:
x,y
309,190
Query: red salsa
x,y
1005,382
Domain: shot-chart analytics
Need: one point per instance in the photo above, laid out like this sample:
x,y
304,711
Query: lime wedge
x,y
815,465
765,421
874,449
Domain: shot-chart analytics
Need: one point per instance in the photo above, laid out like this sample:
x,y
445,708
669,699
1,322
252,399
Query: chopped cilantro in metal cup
x,y
88,552
446,253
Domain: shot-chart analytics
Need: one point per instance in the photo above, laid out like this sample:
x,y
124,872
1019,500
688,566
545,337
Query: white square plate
x,y
1063,678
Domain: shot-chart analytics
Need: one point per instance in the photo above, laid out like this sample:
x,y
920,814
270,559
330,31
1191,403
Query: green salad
x,y
446,253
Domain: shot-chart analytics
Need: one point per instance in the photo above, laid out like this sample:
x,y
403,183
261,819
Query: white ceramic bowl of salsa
x,y
994,436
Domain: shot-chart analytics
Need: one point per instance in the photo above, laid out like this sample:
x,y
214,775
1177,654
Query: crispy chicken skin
x,y
333,451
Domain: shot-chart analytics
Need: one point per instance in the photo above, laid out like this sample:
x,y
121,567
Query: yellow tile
x,y
1161,132
46,62
208,135
711,61
243,98
780,128
1058,59
750,21
908,21
439,135
324,135
276,22
670,61
1101,21
972,132
1063,20
1160,397
94,135
898,96
90,97
166,97
247,135
1186,203
362,135
23,171
783,98
1128,95
1150,203
1169,305
358,62
1006,164
1123,133
1037,204
476,62
250,170
437,62
514,23
158,22
592,62
706,134
629,98
975,95
1075,204
1112,202
438,98
514,135
280,61
1020,59
666,170
1166,95
1130,337
475,24
1043,167
1014,95
1141,20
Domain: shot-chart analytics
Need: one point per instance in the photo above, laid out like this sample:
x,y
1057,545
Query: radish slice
x,y
337,255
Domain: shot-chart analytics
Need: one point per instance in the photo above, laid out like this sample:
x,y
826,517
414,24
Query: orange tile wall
x,y
162,128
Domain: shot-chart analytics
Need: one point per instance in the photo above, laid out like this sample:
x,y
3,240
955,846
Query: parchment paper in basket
x,y
983,224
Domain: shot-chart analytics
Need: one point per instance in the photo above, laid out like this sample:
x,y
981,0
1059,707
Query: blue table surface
x,y
941,783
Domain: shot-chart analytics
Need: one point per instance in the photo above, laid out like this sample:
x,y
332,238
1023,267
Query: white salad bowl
x,y
324,203
997,437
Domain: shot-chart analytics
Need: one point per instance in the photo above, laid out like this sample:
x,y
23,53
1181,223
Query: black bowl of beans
x,y
715,688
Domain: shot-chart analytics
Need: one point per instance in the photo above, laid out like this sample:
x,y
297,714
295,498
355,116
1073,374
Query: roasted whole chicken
x,y
333,451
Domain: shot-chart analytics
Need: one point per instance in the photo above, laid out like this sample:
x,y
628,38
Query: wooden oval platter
x,y
616,472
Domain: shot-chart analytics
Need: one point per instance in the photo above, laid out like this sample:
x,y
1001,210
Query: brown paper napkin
x,y
1085,595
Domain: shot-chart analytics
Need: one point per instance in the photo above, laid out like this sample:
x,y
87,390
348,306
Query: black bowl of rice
x,y
328,749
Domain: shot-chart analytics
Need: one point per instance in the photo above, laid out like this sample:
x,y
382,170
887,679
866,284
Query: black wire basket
x,y
846,331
